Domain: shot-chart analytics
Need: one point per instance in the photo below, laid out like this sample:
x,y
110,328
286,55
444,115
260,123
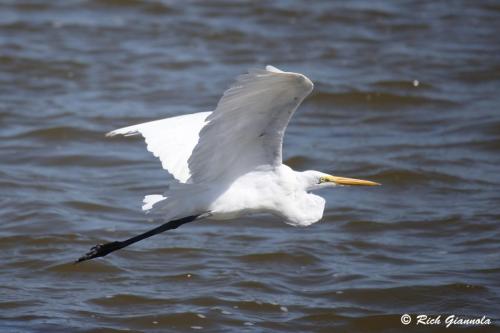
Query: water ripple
x,y
405,94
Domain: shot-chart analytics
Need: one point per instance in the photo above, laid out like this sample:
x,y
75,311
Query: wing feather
x,y
171,140
246,129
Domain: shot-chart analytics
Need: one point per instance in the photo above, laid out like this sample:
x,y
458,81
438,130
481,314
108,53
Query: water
x,y
406,94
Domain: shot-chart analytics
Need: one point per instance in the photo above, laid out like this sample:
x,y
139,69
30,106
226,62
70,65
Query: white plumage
x,y
172,140
228,162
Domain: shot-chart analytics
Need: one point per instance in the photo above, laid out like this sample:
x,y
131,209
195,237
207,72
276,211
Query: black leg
x,y
103,249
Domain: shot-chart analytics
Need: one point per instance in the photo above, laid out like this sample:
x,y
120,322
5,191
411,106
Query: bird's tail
x,y
178,200
150,200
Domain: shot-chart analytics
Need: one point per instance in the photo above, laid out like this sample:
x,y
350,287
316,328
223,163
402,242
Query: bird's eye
x,y
321,180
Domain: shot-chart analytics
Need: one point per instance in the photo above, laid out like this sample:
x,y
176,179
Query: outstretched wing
x,y
247,127
171,140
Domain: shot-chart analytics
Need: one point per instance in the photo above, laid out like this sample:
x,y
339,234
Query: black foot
x,y
100,250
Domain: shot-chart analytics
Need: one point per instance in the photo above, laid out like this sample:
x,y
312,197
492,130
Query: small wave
x,y
173,320
121,300
483,127
403,177
90,206
348,15
406,85
414,294
150,7
329,319
91,267
367,226
386,259
175,251
279,258
257,286
60,133
377,100
78,160
18,304
298,162
42,67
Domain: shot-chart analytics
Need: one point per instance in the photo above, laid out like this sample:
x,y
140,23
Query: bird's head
x,y
314,180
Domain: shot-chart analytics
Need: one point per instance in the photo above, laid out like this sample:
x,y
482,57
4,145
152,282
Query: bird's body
x,y
228,163
275,190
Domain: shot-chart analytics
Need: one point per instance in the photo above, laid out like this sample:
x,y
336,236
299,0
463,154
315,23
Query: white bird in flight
x,y
228,163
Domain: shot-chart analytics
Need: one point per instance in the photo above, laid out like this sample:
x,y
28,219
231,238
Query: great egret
x,y
228,162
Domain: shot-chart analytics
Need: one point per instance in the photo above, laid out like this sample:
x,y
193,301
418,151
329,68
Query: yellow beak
x,y
350,181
